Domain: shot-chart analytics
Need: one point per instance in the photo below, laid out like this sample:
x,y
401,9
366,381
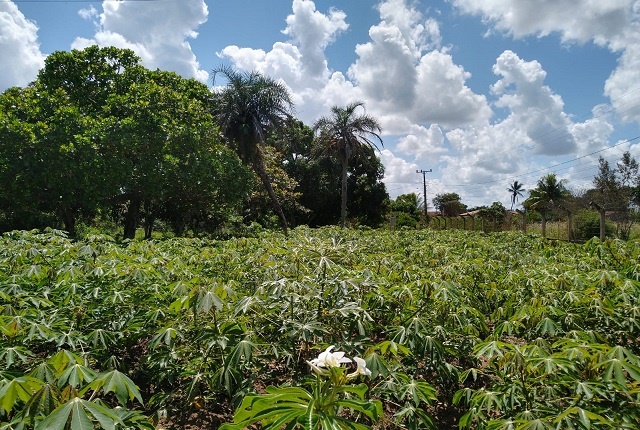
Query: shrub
x,y
587,225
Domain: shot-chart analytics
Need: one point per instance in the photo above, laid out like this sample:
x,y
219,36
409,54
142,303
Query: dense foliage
x,y
98,137
499,331
98,133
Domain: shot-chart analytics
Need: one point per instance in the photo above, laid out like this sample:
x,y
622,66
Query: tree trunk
x,y
69,220
148,226
132,218
178,227
149,219
544,225
261,170
344,190
343,203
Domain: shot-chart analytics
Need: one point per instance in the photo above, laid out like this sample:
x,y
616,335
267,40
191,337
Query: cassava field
x,y
457,329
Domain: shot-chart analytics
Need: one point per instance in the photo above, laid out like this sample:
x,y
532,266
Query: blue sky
x,y
483,92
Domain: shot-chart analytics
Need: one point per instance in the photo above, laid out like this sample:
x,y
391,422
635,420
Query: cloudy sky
x,y
481,92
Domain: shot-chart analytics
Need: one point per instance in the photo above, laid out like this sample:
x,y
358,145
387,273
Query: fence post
x,y
524,220
603,220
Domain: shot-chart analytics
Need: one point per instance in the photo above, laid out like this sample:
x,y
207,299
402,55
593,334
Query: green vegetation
x,y
458,328
446,329
97,139
449,204
344,134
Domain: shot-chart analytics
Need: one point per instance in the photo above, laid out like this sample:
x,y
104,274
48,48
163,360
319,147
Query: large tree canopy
x,y
247,108
319,182
344,133
549,194
449,204
96,129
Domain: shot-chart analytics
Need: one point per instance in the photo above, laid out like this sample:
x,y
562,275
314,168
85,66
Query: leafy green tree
x,y
168,153
548,194
342,135
318,180
406,207
246,109
608,187
259,207
96,130
629,172
90,76
367,193
49,161
496,211
618,191
516,189
449,204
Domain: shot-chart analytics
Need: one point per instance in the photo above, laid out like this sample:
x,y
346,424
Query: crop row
x,y
459,329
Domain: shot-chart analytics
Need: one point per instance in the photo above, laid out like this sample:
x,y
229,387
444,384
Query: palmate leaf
x,y
547,327
101,338
389,346
45,372
506,424
269,408
117,382
133,419
243,349
76,414
414,418
61,360
372,409
583,416
166,336
76,375
207,300
377,364
588,389
490,349
614,370
536,424
417,391
43,402
12,354
18,389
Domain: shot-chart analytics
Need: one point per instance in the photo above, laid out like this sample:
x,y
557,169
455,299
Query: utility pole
x,y
424,184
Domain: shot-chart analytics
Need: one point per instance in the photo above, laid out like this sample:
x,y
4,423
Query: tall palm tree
x,y
549,192
344,133
245,110
516,190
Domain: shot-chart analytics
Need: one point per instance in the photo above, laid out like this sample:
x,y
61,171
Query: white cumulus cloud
x,y
19,48
614,24
416,76
157,31
536,124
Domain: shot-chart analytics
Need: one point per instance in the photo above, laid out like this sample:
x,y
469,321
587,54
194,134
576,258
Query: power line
x,y
548,137
550,167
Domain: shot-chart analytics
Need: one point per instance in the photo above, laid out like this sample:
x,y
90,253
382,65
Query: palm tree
x,y
516,190
245,110
344,133
548,193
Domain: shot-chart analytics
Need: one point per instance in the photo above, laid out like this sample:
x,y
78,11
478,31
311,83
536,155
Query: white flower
x,y
362,368
330,359
316,369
